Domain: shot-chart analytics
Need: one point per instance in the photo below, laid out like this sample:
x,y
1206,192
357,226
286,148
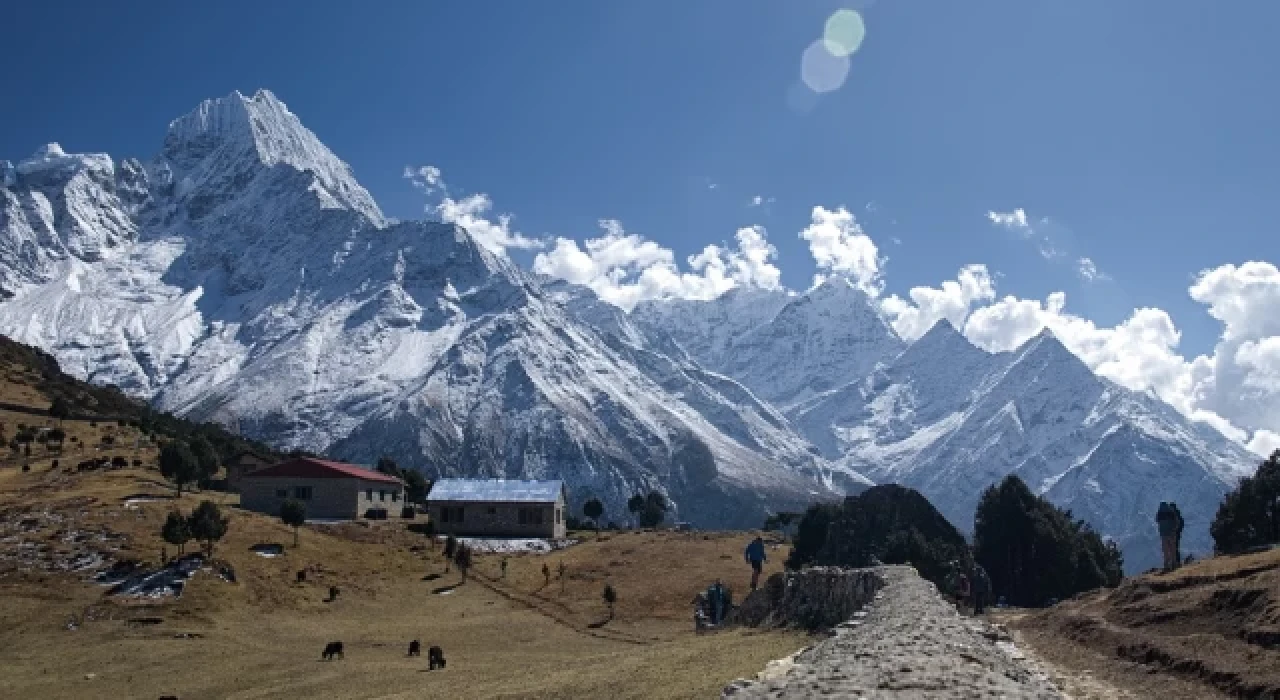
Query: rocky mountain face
x,y
787,349
242,275
949,419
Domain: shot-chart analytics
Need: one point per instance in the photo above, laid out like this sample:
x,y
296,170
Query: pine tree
x,y
176,531
1249,516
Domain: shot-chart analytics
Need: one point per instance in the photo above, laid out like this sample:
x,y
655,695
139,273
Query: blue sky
x,y
1144,131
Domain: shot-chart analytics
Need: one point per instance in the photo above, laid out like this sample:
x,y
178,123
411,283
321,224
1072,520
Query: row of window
x,y
304,493
524,516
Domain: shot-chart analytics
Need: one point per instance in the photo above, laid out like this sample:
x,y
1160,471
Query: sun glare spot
x,y
821,70
844,32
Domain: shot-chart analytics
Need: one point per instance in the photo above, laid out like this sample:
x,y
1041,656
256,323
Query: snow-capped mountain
x,y
949,419
244,276
786,349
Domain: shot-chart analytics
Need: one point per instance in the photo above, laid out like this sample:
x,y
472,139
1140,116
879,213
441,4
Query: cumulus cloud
x,y
1015,220
1236,388
625,268
951,301
760,201
471,212
840,246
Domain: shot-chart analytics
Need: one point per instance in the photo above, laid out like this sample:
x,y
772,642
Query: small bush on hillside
x,y
655,509
610,597
593,509
176,531
178,465
1250,515
294,514
889,523
1035,552
119,462
207,524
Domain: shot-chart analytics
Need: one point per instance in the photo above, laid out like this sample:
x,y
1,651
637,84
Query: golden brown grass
x,y
262,636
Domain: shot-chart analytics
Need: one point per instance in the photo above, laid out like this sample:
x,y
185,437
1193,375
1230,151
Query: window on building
x,y
368,494
395,496
302,493
282,493
382,495
457,514
444,514
557,516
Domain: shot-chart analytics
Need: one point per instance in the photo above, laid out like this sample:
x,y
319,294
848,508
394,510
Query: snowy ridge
x,y
244,277
950,419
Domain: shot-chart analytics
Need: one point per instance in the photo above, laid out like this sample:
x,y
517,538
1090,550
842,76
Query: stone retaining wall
x,y
816,598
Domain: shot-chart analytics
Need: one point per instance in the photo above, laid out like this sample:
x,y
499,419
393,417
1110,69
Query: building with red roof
x,y
328,489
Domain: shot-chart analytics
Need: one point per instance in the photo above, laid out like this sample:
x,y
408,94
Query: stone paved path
x,y
910,643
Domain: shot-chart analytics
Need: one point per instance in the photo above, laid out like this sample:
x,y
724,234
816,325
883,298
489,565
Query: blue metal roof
x,y
500,490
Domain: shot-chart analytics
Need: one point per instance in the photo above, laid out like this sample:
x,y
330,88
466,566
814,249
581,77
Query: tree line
x,y
1033,551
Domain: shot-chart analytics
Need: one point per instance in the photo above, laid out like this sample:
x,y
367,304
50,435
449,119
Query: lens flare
x,y
844,32
822,70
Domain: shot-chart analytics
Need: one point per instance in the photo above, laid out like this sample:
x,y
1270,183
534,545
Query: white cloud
x,y
951,301
625,268
1236,388
760,201
1015,220
1089,271
470,213
839,246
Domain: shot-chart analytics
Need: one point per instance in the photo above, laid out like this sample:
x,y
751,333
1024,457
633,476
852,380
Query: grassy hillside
x,y
1211,629
518,636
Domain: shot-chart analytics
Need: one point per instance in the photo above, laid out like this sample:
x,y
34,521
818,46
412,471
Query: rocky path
x,y
909,643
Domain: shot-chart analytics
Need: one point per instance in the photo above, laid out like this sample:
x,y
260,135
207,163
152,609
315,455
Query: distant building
x,y
328,489
498,507
243,463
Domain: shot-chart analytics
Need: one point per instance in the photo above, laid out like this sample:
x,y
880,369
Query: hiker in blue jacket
x,y
755,557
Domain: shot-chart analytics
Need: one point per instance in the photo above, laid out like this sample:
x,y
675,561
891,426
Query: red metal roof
x,y
312,468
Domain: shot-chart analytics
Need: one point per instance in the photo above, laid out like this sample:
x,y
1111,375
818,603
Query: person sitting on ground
x,y
755,556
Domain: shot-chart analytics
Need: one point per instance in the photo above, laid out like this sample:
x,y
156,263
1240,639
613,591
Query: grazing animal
x,y
435,658
331,650
415,648
302,576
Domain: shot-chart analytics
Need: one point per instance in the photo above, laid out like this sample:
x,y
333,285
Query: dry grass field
x,y
261,636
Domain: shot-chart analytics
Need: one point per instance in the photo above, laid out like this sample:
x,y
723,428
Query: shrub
x,y
54,465
655,509
178,465
207,524
119,462
1249,516
889,523
26,467
408,513
1034,551
176,531
293,513
593,509
137,463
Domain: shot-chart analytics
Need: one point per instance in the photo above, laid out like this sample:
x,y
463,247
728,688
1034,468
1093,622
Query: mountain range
x,y
243,276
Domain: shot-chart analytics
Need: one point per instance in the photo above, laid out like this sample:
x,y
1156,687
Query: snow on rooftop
x,y
502,490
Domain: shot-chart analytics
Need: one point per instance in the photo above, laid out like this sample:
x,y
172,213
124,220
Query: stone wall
x,y
815,598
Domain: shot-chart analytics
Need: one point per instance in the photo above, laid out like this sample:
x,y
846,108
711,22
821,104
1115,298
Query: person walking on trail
x,y
981,589
963,591
1167,518
718,597
755,556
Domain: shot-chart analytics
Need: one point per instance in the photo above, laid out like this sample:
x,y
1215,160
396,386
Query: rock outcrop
x,y
907,643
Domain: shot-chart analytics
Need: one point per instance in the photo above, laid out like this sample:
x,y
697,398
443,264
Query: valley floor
x,y
261,637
